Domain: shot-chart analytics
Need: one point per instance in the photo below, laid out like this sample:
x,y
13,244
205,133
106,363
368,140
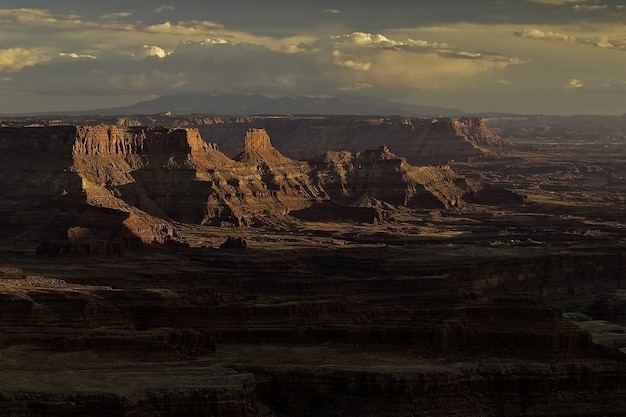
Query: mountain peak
x,y
245,105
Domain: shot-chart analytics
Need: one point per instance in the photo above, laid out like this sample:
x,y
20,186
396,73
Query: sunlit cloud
x,y
15,59
534,33
74,55
116,15
215,41
183,28
589,8
366,39
574,84
164,8
359,40
153,50
597,41
349,63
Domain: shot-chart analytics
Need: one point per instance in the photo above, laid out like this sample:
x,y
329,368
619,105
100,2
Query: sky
x,y
524,56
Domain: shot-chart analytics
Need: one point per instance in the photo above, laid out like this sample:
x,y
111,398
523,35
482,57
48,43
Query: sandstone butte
x,y
121,185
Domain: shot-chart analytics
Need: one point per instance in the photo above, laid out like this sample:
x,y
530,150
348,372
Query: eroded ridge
x,y
144,178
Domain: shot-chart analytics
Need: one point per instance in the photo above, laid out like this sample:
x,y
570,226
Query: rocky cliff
x,y
420,140
116,183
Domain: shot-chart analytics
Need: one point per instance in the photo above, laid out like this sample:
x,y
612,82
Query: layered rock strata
x,y
117,184
443,330
420,140
131,391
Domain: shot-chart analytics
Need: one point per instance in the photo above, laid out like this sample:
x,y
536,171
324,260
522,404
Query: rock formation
x,y
379,175
370,287
421,141
126,182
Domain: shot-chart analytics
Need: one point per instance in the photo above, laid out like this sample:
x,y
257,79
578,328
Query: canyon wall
x,y
121,183
421,141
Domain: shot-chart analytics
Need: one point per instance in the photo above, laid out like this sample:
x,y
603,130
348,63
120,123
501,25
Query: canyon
x,y
346,266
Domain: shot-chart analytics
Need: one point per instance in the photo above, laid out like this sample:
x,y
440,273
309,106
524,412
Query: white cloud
x,y
597,41
183,28
15,59
215,41
366,39
349,63
164,8
534,33
589,8
369,46
357,62
153,50
74,55
574,84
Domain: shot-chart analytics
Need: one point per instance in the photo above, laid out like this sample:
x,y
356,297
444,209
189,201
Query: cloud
x,y
356,87
15,59
365,39
599,85
164,8
533,33
191,67
605,42
116,15
349,63
74,55
351,43
37,18
557,2
573,84
597,41
353,63
589,8
214,41
153,50
577,5
194,27
332,11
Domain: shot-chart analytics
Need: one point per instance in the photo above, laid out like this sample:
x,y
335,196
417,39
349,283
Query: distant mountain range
x,y
259,105
245,105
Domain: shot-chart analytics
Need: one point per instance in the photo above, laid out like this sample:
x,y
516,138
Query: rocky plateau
x,y
349,266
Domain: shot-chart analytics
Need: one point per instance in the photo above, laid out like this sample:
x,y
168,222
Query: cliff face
x,y
119,182
380,176
420,141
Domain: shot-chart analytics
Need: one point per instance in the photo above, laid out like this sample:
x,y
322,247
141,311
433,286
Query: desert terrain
x,y
312,266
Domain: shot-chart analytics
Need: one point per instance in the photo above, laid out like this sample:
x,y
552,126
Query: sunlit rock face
x,y
123,183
